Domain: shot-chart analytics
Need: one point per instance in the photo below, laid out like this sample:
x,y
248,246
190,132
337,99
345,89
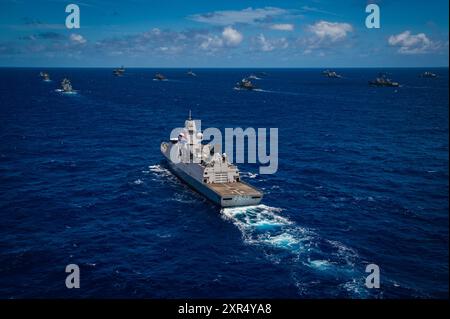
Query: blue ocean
x,y
363,178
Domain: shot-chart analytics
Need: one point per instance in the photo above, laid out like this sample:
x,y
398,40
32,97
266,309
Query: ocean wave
x,y
160,172
264,226
183,198
159,169
249,174
277,92
164,176
355,287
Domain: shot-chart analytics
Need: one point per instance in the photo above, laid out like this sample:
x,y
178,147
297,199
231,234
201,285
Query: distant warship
x,y
119,72
190,73
207,172
45,77
331,74
245,84
159,77
428,74
383,80
66,86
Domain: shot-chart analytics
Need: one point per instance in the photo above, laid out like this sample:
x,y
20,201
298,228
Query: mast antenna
x,y
190,115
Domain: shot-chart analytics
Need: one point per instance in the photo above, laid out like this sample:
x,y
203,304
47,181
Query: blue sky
x,y
217,33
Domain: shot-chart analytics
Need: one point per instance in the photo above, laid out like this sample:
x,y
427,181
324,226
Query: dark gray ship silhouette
x,y
119,71
383,81
331,74
429,75
245,84
159,77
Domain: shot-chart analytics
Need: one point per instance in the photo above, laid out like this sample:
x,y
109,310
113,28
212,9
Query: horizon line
x,y
222,67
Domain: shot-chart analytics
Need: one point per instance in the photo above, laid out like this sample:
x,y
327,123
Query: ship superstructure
x,y
206,171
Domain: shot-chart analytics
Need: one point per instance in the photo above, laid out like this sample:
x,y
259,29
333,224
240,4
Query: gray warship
x,y
245,84
44,76
119,72
332,74
207,172
383,81
191,73
428,74
66,87
159,77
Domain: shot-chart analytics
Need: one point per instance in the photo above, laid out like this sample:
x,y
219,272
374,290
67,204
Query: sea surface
x,y
363,178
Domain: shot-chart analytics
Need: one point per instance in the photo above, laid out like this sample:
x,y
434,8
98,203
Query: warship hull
x,y
222,194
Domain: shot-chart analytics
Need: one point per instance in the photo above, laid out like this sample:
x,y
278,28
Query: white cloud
x,y
282,27
210,42
263,43
231,36
155,31
324,36
408,43
332,31
77,38
170,49
231,17
316,10
267,45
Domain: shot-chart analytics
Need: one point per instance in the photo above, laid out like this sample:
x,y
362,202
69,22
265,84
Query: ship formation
x,y
206,171
246,83
199,165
